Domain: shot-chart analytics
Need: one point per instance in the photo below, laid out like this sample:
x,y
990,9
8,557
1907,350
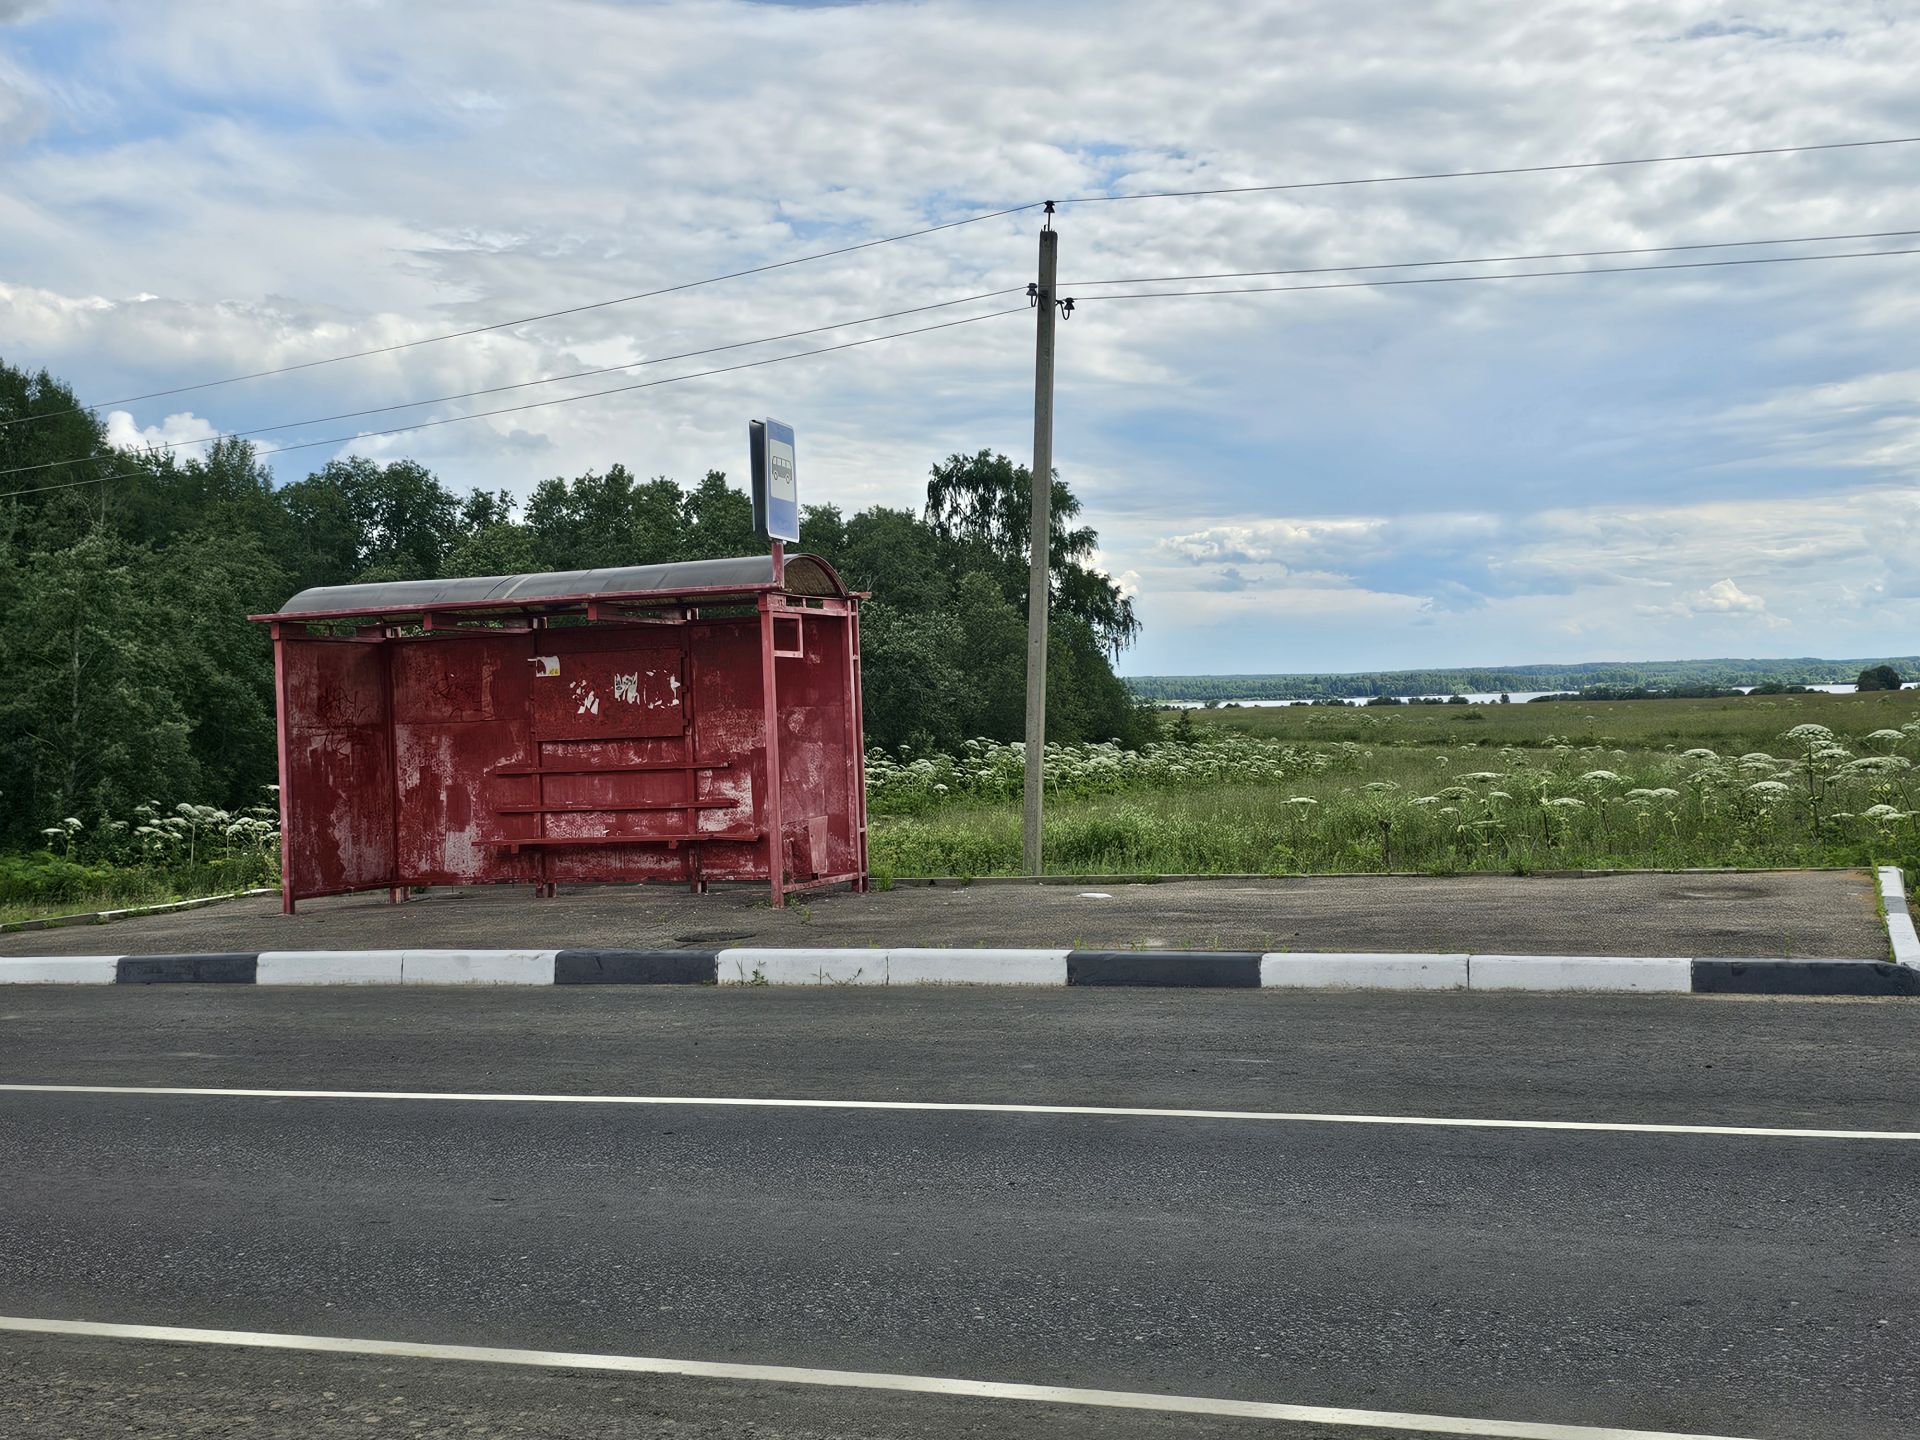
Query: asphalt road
x,y
1753,915
1699,1283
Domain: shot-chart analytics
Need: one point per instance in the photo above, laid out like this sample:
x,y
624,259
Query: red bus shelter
x,y
682,723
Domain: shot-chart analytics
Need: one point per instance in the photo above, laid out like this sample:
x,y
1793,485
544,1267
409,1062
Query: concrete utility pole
x,y
1040,536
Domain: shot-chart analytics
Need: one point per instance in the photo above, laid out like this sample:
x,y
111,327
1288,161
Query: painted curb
x,y
801,967
1210,969
1364,972
62,970
186,969
900,966
983,967
1803,977
1579,972
1227,969
330,967
635,967
406,967
1901,936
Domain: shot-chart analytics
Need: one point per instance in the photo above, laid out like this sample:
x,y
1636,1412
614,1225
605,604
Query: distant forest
x,y
1615,675
129,672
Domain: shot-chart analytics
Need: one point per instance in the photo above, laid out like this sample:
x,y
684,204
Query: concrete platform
x,y
1793,914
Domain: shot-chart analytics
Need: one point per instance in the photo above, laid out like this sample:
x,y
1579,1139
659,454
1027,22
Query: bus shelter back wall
x,y
425,760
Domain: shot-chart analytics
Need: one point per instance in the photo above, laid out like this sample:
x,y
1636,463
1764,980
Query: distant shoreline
x,y
1521,682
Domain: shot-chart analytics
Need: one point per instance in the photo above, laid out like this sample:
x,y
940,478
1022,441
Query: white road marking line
x,y
856,1380
967,1107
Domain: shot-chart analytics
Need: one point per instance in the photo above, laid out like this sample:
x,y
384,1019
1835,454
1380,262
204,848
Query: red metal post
x,y
543,888
690,817
859,738
396,893
286,794
776,839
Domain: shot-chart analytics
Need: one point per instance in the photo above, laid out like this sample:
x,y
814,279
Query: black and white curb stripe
x,y
1154,968
1228,969
1901,936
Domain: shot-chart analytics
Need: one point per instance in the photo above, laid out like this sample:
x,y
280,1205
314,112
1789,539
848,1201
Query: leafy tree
x,y
983,505
91,721
908,677
219,664
992,700
398,518
1878,677
717,521
602,520
505,548
61,429
325,539
895,557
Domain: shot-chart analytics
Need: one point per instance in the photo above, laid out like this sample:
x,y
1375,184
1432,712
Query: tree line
x,y
129,671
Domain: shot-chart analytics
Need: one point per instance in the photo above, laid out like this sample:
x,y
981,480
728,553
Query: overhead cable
x,y
1497,259
560,400
1474,279
530,319
955,224
170,445
1478,174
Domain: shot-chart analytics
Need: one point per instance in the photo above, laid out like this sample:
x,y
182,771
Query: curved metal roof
x,y
704,579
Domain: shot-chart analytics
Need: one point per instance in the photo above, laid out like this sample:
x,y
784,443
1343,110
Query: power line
x,y
530,319
921,330
562,400
172,445
1507,170
1499,259
951,225
962,300
1512,275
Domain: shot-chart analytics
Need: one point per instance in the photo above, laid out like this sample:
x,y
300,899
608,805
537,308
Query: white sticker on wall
x,y
546,667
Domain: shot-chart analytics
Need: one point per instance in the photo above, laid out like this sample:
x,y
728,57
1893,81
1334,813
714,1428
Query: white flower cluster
x,y
993,770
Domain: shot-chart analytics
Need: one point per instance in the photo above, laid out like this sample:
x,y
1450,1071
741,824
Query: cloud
x,y
1720,601
1227,580
1434,471
1619,582
1262,540
1723,597
124,434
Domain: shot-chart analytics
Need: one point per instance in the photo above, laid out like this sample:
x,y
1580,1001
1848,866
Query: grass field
x,y
1660,784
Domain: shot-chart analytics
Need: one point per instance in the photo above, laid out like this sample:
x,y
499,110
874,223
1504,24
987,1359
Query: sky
x,y
1709,462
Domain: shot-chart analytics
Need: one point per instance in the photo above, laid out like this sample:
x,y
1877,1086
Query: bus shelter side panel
x,y
729,734
460,713
338,804
819,811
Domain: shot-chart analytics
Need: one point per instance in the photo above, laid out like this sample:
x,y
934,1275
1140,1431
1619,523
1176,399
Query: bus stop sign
x,y
776,496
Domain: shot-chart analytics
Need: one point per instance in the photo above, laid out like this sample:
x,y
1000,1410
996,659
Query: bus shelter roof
x,y
690,581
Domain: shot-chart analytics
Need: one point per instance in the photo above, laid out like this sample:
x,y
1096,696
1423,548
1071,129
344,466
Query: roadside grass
x,y
1440,790
111,887
157,856
128,897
